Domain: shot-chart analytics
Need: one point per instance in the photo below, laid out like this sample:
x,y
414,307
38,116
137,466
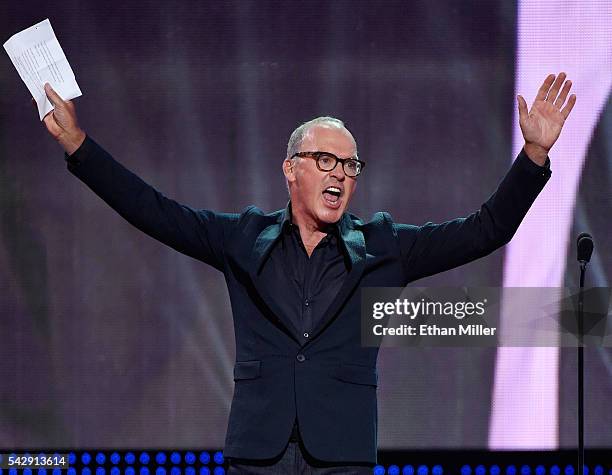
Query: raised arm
x,y
433,248
198,233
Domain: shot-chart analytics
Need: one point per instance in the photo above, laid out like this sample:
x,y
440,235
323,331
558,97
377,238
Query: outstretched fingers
x,y
569,106
554,90
564,92
543,91
522,108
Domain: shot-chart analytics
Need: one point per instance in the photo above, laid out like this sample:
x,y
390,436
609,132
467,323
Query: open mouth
x,y
332,194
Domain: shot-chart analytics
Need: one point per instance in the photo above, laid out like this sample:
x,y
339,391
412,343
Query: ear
x,y
289,169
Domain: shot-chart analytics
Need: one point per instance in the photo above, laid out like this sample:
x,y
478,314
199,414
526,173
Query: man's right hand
x,y
62,122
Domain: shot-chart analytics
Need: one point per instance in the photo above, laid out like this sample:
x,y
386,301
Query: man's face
x,y
309,199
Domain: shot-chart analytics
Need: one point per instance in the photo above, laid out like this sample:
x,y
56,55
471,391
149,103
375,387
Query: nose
x,y
338,172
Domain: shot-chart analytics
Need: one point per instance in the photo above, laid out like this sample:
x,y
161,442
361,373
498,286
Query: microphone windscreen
x,y
585,247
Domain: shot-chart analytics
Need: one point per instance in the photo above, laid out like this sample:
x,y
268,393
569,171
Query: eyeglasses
x,y
326,162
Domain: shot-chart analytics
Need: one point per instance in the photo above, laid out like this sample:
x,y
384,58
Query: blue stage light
x,y
85,458
408,470
379,470
160,471
466,470
540,470
510,470
85,471
129,471
393,470
218,457
129,458
115,458
204,471
437,470
569,470
71,458
480,470
175,471
42,471
27,471
160,458
144,458
555,470
190,458
219,471
525,470
71,471
115,471
144,471
175,458
204,457
190,471
13,471
57,471
100,458
494,470
423,470
585,470
100,471
599,470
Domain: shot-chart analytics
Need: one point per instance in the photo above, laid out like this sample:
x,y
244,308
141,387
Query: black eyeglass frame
x,y
343,161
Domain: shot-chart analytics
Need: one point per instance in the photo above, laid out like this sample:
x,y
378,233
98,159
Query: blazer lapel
x,y
259,253
354,245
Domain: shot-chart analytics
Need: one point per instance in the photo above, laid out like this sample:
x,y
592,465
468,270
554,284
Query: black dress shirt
x,y
304,287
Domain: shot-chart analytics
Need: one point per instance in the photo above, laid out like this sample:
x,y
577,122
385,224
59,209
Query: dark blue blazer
x,y
329,382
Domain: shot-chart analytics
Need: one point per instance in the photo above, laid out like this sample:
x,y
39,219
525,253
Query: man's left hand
x,y
541,126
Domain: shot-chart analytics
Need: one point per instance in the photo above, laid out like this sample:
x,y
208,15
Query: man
x,y
305,389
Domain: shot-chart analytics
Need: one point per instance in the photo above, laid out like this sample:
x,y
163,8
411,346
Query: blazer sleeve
x,y
200,234
432,248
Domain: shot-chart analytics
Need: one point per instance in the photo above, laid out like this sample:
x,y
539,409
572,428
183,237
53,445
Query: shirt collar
x,y
287,222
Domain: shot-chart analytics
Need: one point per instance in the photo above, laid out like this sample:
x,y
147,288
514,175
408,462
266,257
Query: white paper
x,y
39,58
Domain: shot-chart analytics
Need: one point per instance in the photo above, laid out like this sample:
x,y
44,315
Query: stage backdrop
x,y
110,339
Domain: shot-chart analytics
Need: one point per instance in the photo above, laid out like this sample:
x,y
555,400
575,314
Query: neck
x,y
311,231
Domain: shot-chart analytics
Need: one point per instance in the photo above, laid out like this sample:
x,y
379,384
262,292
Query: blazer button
x,y
301,358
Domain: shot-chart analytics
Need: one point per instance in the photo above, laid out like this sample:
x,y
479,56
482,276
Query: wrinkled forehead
x,y
329,138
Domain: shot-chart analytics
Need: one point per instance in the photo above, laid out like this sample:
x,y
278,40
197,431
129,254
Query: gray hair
x,y
298,134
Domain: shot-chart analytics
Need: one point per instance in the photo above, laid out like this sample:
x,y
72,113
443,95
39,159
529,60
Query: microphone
x,y
584,245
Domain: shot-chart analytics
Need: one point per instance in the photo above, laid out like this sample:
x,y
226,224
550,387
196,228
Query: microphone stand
x,y
583,265
584,248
